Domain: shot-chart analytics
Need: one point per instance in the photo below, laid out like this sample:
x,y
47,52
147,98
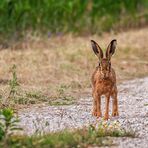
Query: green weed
x,y
14,82
8,123
68,100
62,97
19,96
94,135
13,88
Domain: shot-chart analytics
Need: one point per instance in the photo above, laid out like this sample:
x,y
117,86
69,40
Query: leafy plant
x,y
8,123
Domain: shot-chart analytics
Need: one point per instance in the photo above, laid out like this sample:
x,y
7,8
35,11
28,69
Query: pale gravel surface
x,y
133,109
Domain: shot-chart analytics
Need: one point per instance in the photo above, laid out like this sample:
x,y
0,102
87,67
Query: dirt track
x,y
133,107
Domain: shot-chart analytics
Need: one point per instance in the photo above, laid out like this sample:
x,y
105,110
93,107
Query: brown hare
x,y
104,81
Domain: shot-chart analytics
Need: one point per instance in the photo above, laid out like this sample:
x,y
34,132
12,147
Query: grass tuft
x,y
94,135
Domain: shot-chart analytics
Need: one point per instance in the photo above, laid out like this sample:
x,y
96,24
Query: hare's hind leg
x,y
115,104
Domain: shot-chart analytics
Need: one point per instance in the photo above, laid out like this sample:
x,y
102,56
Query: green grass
x,y
68,100
91,136
146,104
48,16
62,97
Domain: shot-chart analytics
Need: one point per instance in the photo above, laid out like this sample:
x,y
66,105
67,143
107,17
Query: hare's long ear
x,y
97,50
111,49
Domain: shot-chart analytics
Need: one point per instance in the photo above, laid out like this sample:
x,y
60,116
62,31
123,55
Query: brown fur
x,y
104,83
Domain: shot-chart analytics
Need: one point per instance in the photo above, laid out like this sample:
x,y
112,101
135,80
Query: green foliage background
x,y
77,16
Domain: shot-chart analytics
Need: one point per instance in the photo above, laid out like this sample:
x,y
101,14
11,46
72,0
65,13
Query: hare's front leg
x,y
96,105
94,112
106,116
99,114
115,104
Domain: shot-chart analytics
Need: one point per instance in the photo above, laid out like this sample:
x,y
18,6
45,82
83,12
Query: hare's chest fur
x,y
104,86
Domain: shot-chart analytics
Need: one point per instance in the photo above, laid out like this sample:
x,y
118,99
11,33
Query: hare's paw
x,y
99,114
106,117
94,113
115,113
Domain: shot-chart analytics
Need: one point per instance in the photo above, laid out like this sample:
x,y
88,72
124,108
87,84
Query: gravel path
x,y
133,110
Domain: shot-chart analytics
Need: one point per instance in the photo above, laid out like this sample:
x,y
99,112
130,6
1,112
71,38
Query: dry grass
x,y
62,66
